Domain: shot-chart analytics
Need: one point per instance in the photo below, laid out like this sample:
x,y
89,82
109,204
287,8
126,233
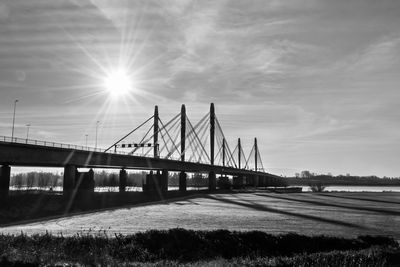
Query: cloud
x,y
379,56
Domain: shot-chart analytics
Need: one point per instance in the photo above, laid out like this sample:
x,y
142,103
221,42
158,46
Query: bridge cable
x,y
162,137
226,143
199,141
166,144
250,156
169,136
189,131
259,157
169,122
129,133
141,141
202,137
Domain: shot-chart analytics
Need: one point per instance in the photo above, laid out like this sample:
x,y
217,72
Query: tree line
x,y
307,177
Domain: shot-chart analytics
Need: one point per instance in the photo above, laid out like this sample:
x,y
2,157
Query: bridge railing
x,y
67,146
51,144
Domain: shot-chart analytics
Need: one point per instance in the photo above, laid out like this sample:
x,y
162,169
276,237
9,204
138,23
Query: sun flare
x,y
118,83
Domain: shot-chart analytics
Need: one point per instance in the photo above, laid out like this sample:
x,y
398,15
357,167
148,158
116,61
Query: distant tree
x,y
30,180
113,180
317,186
306,174
17,181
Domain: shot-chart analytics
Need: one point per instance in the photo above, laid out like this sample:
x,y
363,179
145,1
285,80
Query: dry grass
x,y
197,248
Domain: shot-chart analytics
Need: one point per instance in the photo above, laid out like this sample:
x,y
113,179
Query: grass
x,y
197,248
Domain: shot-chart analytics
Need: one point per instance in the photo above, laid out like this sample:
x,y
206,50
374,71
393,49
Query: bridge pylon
x,y
212,179
155,131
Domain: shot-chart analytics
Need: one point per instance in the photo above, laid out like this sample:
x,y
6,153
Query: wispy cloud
x,y
308,77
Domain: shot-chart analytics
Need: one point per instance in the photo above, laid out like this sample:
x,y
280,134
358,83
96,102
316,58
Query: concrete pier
x,y
182,181
5,172
152,184
123,176
238,182
224,182
212,181
69,179
163,178
84,182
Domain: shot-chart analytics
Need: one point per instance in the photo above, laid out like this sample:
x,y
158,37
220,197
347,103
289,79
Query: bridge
x,y
174,146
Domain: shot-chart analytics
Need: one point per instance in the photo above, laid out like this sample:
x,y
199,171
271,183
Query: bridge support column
x,y
212,181
152,182
223,182
123,176
84,183
182,181
238,182
164,181
5,172
69,179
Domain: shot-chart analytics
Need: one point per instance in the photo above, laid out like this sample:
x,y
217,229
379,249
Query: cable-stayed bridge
x,y
176,145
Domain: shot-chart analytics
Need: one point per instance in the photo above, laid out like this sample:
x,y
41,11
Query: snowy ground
x,y
339,214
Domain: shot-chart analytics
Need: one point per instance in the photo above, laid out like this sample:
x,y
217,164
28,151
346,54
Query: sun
x,y
118,83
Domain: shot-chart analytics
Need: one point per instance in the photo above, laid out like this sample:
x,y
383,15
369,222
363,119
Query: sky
x,y
316,81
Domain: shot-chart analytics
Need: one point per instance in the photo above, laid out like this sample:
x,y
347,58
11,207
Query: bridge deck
x,y
58,155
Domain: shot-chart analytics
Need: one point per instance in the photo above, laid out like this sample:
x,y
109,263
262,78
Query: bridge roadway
x,y
31,155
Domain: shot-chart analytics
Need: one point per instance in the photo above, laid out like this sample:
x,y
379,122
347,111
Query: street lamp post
x,y
86,137
27,132
12,132
97,126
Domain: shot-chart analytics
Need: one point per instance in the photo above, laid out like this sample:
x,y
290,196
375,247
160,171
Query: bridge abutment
x,y
182,181
123,176
212,181
5,172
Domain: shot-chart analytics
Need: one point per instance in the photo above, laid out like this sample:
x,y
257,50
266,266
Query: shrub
x,y
317,187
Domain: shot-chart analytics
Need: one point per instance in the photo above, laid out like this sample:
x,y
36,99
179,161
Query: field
x,y
333,214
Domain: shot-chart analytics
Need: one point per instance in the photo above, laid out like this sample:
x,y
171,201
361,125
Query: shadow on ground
x,y
259,207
